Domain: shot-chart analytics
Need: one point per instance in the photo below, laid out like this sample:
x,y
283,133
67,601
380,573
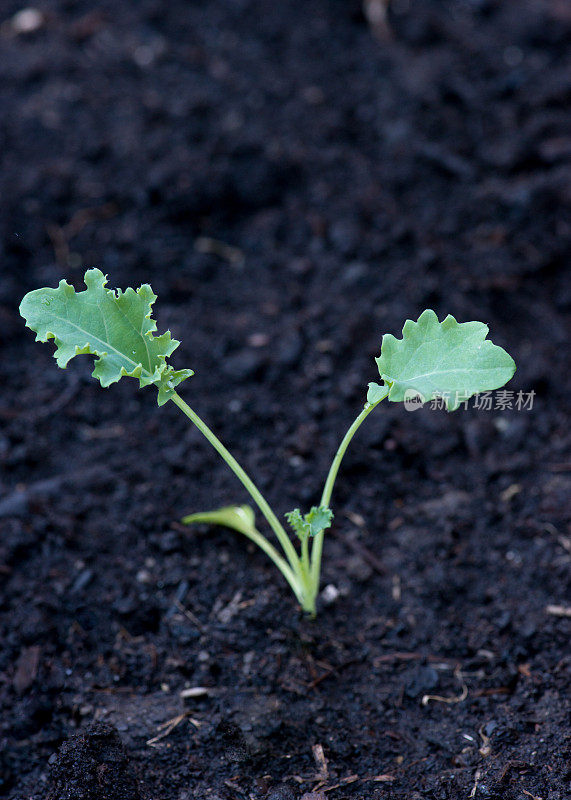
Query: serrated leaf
x,y
445,359
318,519
297,522
238,518
376,393
114,326
310,524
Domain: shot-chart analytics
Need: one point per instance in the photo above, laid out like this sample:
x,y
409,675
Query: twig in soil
x,y
533,796
386,778
180,594
405,767
375,12
564,541
226,614
491,691
167,727
477,777
388,658
438,699
204,629
321,762
314,683
97,687
559,611
485,749
313,662
560,467
342,782
378,621
238,790
217,248
153,655
510,492
519,765
190,616
524,670
123,634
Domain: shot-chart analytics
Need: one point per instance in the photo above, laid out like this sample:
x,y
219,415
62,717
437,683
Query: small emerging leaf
x,y
445,359
376,393
312,523
238,518
115,326
297,522
319,519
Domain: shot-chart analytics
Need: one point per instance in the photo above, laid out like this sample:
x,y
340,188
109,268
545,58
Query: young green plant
x,y
447,360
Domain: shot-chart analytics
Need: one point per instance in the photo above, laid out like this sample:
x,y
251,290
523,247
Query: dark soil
x,y
359,178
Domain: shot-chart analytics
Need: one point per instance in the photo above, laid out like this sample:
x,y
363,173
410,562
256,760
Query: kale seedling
x,y
433,359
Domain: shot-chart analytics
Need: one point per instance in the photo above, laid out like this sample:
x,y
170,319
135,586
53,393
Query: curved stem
x,y
336,463
317,547
280,562
215,518
242,476
305,555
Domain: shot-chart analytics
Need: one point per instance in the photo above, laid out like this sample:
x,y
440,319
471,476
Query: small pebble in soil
x,y
28,20
330,594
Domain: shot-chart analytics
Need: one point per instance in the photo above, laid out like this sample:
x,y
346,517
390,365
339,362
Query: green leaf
x,y
312,523
238,518
376,393
114,326
445,359
318,519
297,522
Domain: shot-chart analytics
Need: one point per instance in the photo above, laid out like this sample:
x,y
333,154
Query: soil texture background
x,y
293,183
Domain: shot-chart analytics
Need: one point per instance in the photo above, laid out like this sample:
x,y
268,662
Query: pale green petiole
x,y
317,548
241,519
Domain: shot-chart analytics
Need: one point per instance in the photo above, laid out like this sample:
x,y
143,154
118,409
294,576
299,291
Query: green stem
x,y
317,549
305,555
253,490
